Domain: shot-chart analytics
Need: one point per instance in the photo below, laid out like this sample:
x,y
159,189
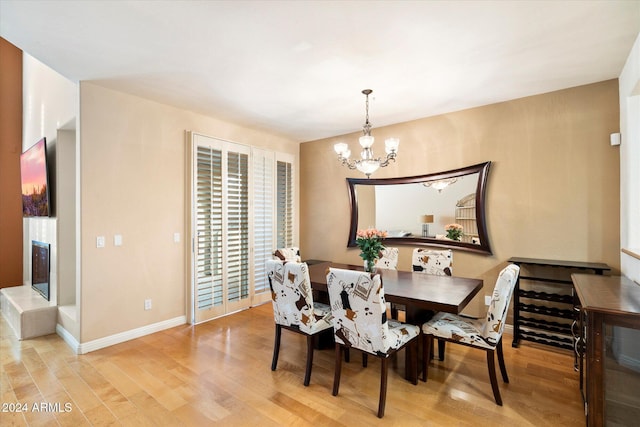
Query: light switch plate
x,y
176,237
117,240
487,299
100,242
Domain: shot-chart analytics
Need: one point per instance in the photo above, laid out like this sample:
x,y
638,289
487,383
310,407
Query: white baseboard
x,y
68,338
82,348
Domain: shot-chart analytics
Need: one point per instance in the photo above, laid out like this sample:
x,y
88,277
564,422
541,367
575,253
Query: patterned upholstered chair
x,y
437,262
360,322
485,334
293,307
389,259
287,254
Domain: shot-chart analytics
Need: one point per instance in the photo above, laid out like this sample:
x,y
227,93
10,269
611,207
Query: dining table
x,y
422,294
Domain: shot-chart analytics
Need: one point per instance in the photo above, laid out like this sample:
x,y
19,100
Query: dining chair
x,y
436,262
287,254
430,261
293,307
360,322
389,259
485,334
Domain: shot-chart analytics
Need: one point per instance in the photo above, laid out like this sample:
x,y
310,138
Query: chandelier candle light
x,y
368,164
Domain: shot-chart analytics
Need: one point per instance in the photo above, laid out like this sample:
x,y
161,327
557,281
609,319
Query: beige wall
x,y
553,189
132,160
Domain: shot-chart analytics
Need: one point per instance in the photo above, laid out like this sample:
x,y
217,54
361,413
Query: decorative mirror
x,y
416,210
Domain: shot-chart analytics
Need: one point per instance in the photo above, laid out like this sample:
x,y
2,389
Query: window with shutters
x,y
263,215
285,205
243,202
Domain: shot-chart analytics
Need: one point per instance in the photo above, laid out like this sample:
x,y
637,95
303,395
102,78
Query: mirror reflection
x,y
444,209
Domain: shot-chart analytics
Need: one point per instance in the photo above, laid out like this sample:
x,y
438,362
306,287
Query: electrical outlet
x,y
117,240
487,299
147,304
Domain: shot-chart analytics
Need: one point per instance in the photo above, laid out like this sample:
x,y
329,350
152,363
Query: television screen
x,y
34,180
40,268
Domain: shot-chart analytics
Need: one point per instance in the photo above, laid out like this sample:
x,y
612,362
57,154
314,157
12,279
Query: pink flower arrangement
x,y
370,233
370,243
454,231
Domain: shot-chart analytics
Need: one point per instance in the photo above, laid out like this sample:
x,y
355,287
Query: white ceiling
x,y
297,68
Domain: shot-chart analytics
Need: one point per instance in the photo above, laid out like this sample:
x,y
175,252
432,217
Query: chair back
x,y
359,310
429,261
500,299
389,259
291,294
287,254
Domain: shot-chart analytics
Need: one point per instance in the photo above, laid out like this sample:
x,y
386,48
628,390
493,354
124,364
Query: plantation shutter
x,y
241,197
209,274
285,238
237,226
263,215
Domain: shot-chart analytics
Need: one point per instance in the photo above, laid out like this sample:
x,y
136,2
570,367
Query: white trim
x,y
68,338
82,348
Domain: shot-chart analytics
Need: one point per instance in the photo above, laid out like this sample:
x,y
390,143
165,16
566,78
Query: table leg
x,y
415,316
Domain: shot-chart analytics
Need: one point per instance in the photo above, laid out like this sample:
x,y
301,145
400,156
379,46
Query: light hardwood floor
x,y
218,373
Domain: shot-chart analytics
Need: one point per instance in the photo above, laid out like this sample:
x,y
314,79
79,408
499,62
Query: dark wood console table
x,y
544,309
611,313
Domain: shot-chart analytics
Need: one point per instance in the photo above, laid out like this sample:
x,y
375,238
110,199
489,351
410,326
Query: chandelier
x,y
440,184
368,164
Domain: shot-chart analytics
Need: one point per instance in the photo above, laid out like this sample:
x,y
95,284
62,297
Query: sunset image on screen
x,y
33,171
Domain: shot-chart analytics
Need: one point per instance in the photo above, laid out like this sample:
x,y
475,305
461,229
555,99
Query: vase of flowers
x,y
454,231
370,243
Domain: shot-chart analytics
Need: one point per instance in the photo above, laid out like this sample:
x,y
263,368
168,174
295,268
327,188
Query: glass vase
x,y
370,265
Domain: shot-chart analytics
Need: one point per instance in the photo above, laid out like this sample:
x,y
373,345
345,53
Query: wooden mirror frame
x,y
481,169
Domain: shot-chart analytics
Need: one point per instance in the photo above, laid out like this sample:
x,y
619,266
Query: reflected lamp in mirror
x,y
440,184
398,205
425,220
368,163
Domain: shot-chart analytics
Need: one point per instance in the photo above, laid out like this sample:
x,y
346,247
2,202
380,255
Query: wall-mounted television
x,y
34,176
40,268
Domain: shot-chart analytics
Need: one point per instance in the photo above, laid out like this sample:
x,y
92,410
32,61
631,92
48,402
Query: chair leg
x,y
365,359
492,376
503,368
441,344
384,370
347,355
336,377
307,373
276,348
427,342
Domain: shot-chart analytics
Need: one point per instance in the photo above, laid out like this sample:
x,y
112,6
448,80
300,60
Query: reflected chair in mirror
x,y
294,309
484,334
360,322
287,254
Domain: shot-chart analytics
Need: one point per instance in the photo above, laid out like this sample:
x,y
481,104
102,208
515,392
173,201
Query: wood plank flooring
x,y
219,373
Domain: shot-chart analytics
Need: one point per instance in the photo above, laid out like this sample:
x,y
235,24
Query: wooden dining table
x,y
421,294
